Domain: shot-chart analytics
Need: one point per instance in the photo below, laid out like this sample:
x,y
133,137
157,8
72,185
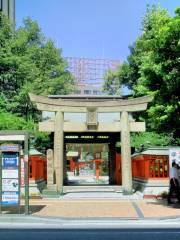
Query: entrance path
x,y
104,208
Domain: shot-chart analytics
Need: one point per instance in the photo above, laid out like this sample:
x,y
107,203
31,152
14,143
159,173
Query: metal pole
x,y
26,156
19,181
0,182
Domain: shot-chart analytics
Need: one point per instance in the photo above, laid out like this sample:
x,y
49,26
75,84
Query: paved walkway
x,y
88,209
101,208
98,208
139,209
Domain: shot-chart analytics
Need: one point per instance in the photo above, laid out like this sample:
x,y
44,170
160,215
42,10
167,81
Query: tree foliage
x,y
111,83
9,121
152,68
150,139
28,63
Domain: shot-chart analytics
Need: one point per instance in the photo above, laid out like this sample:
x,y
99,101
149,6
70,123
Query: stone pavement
x,y
88,209
107,208
97,206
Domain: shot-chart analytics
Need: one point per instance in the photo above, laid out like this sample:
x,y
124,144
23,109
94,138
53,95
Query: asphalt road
x,y
89,234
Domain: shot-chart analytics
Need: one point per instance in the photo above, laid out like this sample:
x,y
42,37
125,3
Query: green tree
x,y
111,83
9,121
29,63
152,68
150,139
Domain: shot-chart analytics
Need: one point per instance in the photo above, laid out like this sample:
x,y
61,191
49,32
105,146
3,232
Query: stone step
x,y
49,194
88,188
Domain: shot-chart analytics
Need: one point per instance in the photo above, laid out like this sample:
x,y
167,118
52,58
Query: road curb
x,y
40,219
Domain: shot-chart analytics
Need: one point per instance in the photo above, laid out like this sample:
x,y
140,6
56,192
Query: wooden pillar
x,y
126,154
59,150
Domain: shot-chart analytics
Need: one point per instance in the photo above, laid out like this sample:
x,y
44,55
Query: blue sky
x,y
90,28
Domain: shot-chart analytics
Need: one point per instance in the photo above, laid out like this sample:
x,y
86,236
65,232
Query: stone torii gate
x,y
91,105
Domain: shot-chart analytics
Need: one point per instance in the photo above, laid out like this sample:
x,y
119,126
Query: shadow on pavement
x,y
21,209
163,202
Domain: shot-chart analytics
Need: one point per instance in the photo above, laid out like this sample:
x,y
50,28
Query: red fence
x,y
143,167
150,166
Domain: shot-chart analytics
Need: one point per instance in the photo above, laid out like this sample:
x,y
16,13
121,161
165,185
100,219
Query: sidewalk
x,y
102,208
88,208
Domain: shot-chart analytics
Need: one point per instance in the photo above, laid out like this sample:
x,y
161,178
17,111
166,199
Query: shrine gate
x,y
91,106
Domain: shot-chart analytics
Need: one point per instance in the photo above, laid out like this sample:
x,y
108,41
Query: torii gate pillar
x,y
126,154
59,150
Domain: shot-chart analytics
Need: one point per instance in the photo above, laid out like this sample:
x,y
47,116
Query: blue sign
x,y
10,160
10,198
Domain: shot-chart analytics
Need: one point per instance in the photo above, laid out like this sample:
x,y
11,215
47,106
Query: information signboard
x,y
9,147
10,173
10,161
10,182
12,176
10,198
10,185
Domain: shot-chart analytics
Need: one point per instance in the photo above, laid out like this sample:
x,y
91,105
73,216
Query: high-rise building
x,y
89,73
8,8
